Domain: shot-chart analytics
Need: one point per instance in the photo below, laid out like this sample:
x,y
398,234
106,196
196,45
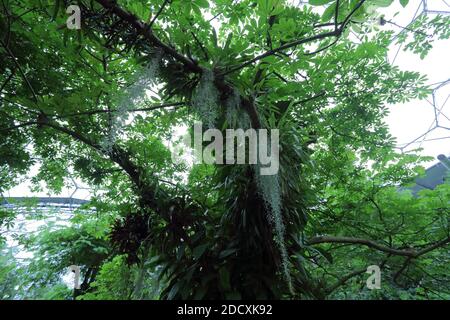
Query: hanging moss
x,y
232,108
270,191
268,185
134,95
236,116
205,99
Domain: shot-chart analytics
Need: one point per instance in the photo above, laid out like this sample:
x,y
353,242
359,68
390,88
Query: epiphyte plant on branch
x,y
212,231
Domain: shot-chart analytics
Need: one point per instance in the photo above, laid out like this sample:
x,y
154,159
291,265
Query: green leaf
x,y
228,42
56,9
404,3
226,253
233,296
202,3
224,278
328,13
198,251
381,3
200,292
214,37
173,292
319,2
180,251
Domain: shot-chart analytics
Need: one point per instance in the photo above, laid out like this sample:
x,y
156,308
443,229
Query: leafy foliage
x,y
138,70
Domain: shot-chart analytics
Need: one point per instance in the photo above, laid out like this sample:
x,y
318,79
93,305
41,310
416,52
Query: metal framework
x,y
440,110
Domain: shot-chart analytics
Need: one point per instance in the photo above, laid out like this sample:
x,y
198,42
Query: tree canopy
x,y
102,104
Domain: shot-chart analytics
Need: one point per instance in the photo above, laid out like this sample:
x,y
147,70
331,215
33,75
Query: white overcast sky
x,y
407,121
410,120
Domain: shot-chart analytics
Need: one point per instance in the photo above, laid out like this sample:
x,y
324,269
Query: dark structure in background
x,y
67,203
434,176
30,212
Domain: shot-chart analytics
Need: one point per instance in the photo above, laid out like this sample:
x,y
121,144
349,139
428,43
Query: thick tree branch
x,y
412,253
145,31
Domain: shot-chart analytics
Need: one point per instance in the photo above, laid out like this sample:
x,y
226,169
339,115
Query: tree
x,y
99,102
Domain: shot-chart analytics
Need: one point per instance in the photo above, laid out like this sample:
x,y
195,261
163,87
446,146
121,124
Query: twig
x,y
158,13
